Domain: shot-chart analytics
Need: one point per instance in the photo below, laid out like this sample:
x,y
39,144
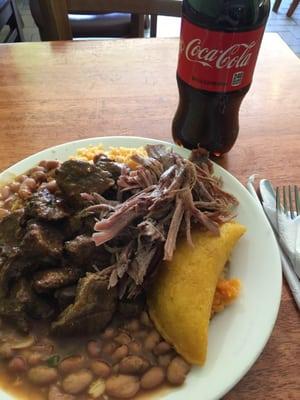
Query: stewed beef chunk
x,y
13,311
10,229
42,241
50,279
75,177
101,160
35,306
41,246
80,223
82,251
13,267
93,307
22,305
46,206
65,296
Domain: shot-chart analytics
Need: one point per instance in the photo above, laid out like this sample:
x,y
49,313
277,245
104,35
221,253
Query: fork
x,y
290,200
291,209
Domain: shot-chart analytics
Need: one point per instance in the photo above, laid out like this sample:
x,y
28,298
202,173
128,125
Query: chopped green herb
x,y
53,361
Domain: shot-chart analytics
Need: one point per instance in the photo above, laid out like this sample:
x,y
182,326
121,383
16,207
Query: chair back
x,y
55,13
10,17
153,7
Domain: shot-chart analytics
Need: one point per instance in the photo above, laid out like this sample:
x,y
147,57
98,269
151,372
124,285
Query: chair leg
x,y
153,29
18,21
276,5
137,25
292,8
147,21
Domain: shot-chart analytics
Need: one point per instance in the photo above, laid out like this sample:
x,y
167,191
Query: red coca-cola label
x,y
217,61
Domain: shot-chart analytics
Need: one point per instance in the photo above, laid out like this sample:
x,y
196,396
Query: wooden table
x,y
51,93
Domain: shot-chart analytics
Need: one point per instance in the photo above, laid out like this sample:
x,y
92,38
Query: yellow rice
x,y
118,154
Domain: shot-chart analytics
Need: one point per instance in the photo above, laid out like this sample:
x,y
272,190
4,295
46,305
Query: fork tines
x,y
290,200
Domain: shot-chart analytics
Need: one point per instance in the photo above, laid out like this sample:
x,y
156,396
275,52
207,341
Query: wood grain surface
x,y
51,93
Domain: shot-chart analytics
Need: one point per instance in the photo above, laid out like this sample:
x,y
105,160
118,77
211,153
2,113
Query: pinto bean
x,y
55,393
21,178
51,164
151,340
141,334
3,213
135,347
17,365
6,351
24,192
122,386
123,338
100,368
42,375
39,176
119,353
30,183
71,364
164,360
133,365
94,348
109,348
77,382
35,169
15,186
132,326
162,348
34,358
52,186
5,192
177,370
8,202
43,164
152,378
116,368
109,333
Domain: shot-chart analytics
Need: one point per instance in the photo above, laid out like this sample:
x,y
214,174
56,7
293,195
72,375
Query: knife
x,y
268,195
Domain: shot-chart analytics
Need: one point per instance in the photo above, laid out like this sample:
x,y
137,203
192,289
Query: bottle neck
x,y
209,7
228,15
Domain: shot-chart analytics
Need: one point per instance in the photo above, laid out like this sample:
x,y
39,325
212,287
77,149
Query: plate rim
x,y
217,169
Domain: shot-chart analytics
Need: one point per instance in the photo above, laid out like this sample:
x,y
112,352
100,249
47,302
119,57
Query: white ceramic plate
x,y
238,335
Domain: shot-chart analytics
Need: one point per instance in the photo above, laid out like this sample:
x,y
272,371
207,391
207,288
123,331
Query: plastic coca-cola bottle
x,y
219,44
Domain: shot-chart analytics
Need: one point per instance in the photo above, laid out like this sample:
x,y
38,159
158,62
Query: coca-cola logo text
x,y
236,56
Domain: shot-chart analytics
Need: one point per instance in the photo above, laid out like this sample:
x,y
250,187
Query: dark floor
x,y
287,28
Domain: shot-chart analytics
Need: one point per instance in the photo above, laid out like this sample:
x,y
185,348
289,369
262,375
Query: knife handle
x,y
291,278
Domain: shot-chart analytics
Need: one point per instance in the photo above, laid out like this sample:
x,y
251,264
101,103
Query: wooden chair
x,y
55,13
291,9
9,16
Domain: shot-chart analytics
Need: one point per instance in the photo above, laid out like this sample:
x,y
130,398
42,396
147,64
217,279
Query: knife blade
x,y
268,197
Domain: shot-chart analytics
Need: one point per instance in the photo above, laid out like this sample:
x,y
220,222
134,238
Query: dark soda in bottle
x,y
219,45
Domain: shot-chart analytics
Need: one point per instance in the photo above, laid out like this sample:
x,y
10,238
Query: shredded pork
x,y
168,195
